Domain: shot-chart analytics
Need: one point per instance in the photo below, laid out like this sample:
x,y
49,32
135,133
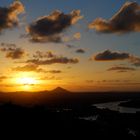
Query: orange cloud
x,y
13,52
34,68
9,15
49,28
121,69
127,19
77,36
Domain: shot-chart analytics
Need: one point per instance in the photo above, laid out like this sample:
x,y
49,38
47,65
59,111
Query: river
x,y
115,107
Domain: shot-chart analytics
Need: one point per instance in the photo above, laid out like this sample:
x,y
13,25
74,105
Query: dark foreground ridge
x,y
72,115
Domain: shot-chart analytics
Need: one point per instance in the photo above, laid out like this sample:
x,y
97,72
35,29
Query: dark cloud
x,y
118,82
9,15
70,46
3,78
69,67
48,58
8,44
135,61
114,81
55,60
34,68
111,82
127,19
55,71
18,53
110,56
39,54
50,78
13,53
49,28
90,81
80,51
29,67
121,69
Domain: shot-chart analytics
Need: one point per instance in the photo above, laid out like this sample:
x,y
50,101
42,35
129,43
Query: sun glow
x,y
27,81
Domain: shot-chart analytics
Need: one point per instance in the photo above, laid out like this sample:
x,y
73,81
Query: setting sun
x,y
70,65
27,81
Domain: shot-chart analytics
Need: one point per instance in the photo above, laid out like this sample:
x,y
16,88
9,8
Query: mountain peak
x,y
60,90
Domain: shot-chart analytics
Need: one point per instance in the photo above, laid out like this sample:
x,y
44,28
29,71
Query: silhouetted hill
x,y
64,97
60,90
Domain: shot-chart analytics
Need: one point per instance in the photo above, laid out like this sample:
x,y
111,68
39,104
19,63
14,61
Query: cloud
x,y
80,51
27,68
13,53
127,19
3,78
34,68
108,55
55,71
48,58
74,37
8,44
70,46
50,78
90,81
77,36
112,82
135,61
39,54
55,60
121,69
49,28
9,15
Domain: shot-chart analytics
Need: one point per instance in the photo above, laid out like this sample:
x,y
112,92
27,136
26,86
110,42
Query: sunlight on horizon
x,y
52,48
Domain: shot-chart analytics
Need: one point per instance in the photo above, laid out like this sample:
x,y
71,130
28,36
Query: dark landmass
x,y
60,96
131,104
64,114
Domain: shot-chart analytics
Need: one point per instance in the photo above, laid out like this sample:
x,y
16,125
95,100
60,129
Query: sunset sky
x,y
80,45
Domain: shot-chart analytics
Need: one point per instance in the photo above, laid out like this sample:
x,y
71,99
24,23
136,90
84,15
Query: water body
x,y
90,118
115,107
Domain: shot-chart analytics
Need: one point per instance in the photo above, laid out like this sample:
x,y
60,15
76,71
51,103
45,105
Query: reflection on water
x,y
91,118
115,107
132,132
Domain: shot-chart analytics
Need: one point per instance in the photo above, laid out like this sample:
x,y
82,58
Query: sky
x,y
88,45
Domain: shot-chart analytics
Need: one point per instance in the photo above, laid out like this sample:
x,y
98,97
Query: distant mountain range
x,y
61,96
